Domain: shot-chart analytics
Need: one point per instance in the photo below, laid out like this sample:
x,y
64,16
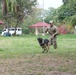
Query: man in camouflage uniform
x,y
53,31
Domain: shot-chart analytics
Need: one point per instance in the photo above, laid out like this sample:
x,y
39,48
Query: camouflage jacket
x,y
52,30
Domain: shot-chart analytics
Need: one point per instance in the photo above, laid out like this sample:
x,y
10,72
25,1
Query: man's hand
x,y
45,31
53,36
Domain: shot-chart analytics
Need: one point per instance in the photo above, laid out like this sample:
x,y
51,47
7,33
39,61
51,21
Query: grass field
x,y
21,55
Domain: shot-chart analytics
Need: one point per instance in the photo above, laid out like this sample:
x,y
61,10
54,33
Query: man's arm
x,y
57,31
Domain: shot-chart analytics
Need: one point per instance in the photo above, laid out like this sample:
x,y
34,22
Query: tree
x,y
51,15
0,11
67,10
17,9
67,13
32,19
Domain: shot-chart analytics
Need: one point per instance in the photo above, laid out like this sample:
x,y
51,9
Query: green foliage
x,y
67,10
0,10
51,15
28,44
72,20
65,13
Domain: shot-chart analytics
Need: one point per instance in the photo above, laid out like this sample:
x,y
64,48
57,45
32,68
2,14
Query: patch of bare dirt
x,y
37,65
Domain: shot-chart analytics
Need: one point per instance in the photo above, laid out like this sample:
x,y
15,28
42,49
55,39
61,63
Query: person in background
x,y
53,32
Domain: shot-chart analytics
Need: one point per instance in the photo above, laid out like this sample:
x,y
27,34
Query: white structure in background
x,y
75,27
75,30
12,30
36,29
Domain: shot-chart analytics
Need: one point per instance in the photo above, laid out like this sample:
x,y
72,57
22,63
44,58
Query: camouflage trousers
x,y
52,41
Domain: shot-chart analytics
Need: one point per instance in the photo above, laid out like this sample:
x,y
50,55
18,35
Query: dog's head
x,y
40,40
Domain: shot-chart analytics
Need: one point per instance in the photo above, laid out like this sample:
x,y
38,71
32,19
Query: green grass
x,y
28,44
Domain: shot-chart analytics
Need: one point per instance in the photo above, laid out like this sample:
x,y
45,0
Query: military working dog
x,y
44,43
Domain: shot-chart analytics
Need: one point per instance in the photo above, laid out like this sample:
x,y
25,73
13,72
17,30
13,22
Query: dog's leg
x,y
46,49
43,50
48,46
